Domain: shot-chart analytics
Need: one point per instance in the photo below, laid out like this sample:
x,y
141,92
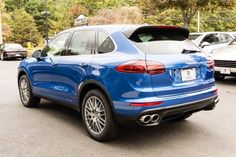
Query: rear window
x,y
166,46
155,40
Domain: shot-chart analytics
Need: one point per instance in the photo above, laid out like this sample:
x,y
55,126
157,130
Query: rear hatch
x,y
186,67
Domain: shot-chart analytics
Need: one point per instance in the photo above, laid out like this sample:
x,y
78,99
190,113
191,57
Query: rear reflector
x,y
141,66
215,91
146,104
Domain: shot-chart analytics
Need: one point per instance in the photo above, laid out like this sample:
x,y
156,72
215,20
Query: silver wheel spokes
x,y
24,91
95,116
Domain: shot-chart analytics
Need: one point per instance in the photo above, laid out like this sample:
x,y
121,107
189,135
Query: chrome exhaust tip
x,y
155,118
145,119
216,100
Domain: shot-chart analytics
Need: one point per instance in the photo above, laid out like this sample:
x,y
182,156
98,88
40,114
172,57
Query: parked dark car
x,y
12,50
126,73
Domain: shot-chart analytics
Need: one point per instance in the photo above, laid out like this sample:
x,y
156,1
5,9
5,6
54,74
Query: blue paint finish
x,y
59,78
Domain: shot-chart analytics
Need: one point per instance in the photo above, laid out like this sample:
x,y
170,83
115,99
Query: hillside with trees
x,y
23,21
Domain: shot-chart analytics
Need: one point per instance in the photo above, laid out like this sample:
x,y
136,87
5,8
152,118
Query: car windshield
x,y
194,36
13,46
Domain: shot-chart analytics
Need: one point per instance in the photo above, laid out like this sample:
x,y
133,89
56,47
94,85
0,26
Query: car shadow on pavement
x,y
133,135
227,81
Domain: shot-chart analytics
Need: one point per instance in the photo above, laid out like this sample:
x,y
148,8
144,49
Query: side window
x,y
81,43
210,38
105,43
227,38
56,46
222,38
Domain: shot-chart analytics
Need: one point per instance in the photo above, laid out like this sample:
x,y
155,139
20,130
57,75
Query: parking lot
x,y
53,130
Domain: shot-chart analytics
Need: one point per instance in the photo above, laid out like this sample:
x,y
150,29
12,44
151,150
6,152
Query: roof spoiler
x,y
178,33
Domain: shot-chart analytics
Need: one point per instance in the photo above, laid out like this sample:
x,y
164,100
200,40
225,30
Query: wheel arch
x,y
92,84
22,72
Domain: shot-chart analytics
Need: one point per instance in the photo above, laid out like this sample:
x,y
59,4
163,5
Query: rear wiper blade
x,y
189,51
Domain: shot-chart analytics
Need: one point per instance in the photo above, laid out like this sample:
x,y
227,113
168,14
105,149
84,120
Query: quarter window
x,y
81,43
105,43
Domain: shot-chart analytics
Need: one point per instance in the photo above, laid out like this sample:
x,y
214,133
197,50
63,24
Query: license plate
x,y
225,71
17,55
188,74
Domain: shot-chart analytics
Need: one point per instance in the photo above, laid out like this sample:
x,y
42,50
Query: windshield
x,y
194,36
13,46
166,46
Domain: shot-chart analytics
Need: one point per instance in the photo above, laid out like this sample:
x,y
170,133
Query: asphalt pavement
x,y
52,130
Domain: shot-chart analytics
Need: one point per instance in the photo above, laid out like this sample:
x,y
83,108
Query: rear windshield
x,y
166,46
156,40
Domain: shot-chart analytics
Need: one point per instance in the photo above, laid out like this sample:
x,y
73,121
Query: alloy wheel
x,y
24,90
95,116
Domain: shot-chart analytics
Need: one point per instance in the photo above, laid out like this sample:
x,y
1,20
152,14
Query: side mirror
x,y
204,44
37,54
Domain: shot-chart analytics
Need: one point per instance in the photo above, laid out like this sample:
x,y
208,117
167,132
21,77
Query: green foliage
x,y
123,15
11,5
216,15
34,8
23,28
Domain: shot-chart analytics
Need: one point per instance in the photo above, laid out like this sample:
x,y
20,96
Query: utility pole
x,y
46,13
1,37
198,21
46,6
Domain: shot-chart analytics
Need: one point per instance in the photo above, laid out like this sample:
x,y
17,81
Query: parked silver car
x,y
208,41
225,61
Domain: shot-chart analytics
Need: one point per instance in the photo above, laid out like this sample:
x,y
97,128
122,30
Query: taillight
x,y
146,104
215,91
142,66
210,64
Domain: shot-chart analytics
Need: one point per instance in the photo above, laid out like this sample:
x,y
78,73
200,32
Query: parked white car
x,y
208,41
225,61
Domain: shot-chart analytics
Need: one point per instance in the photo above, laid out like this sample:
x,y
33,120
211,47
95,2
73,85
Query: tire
x,y
2,57
97,116
26,96
219,77
182,117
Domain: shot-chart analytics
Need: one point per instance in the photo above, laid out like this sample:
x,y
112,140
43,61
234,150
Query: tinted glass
x,y
163,41
166,47
82,43
210,38
105,43
56,46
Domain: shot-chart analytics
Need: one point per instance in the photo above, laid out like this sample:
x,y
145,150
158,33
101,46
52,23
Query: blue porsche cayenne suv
x,y
143,74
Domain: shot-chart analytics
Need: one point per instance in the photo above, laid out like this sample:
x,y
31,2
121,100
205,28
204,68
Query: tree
x,y
23,28
123,15
35,8
11,5
188,8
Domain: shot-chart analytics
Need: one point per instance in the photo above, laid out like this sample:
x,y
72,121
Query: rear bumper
x,y
15,55
218,69
170,112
